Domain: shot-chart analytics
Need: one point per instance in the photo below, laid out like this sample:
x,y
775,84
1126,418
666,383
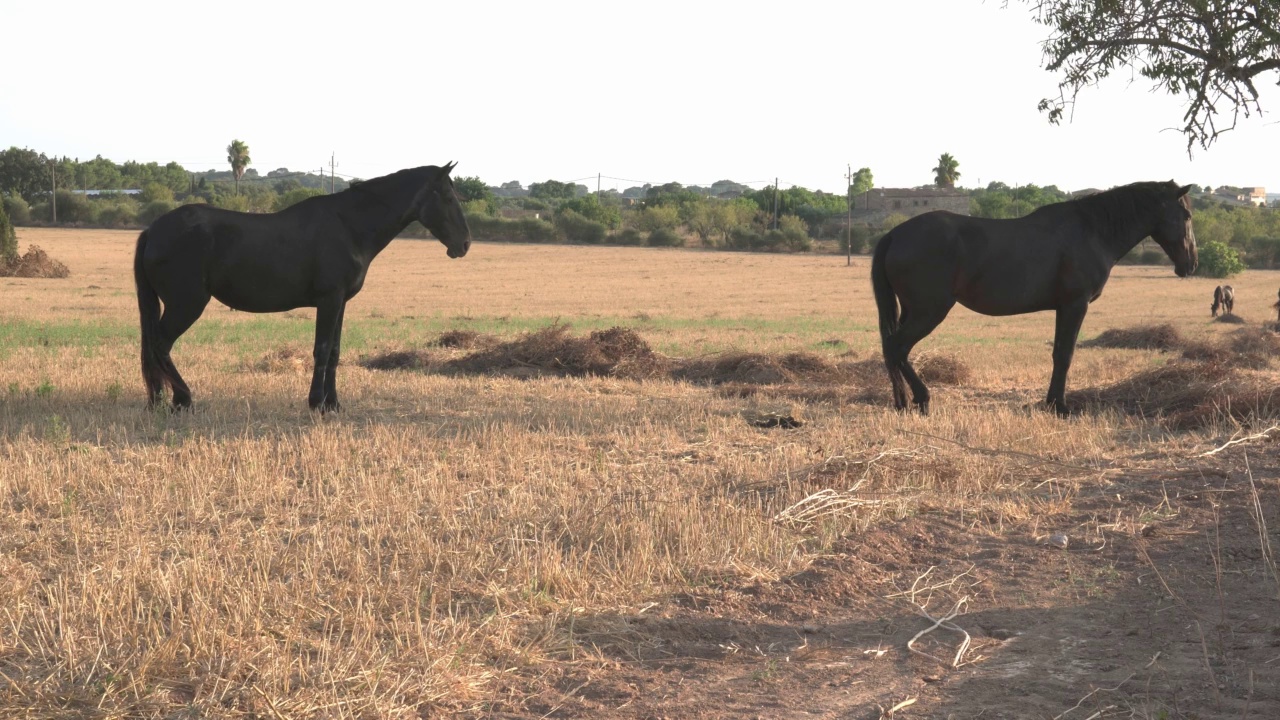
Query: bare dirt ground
x,y
1163,605
472,543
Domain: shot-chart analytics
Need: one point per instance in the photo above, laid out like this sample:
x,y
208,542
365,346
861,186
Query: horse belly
x,y
248,288
1005,293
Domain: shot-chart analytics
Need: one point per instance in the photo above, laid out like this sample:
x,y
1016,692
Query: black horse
x,y
1223,297
1056,258
312,254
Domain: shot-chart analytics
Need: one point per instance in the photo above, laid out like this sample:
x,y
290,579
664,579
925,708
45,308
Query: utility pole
x,y
848,223
597,186
775,203
332,164
53,197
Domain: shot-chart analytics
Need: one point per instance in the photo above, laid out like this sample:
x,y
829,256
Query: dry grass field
x,y
518,542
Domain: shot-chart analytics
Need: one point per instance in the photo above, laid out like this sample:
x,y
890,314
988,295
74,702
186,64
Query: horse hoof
x,y
1061,409
924,408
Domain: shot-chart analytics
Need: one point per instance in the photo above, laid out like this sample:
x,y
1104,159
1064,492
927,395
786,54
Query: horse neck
x,y
1124,225
377,214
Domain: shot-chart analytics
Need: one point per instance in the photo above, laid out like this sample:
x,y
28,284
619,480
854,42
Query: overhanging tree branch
x,y
1211,54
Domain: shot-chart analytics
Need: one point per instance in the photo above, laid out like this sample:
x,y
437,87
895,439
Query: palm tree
x,y
947,173
238,156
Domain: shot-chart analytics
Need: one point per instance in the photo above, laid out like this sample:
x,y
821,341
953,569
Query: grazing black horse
x,y
1056,258
312,254
1223,297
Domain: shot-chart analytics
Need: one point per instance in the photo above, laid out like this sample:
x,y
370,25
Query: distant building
x,y
1241,196
873,206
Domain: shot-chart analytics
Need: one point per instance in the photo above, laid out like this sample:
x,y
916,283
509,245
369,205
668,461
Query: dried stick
x,y
1096,690
1012,453
1237,441
943,622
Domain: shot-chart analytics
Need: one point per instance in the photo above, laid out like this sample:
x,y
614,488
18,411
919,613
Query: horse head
x,y
440,212
1173,229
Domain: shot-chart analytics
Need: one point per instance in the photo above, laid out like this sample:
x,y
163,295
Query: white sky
x,y
648,91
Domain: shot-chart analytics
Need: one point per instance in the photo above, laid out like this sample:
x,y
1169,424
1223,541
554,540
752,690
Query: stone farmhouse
x,y
873,206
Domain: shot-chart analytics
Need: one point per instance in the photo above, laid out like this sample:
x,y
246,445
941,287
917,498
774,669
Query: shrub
x,y
295,196
893,220
501,230
239,203
1153,257
153,210
73,208
665,238
658,217
861,237
155,191
535,230
590,207
626,236
16,207
1219,260
479,208
795,232
8,238
579,229
743,238
1264,253
119,213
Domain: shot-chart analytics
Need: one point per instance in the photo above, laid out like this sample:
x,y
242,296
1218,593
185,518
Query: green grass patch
x,y
672,335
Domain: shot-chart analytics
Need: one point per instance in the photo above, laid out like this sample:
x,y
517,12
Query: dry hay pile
x,y
1232,378
616,352
286,359
621,352
463,340
34,263
1142,337
1247,347
398,360
758,369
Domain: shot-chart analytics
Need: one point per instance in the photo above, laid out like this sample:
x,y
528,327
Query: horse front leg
x,y
329,313
331,370
1067,329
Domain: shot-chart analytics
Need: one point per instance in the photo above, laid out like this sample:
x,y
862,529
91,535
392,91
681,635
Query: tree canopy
x,y
1211,53
238,156
862,181
947,172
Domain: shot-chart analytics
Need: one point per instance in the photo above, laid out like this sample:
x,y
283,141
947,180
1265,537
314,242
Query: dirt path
x,y
1164,605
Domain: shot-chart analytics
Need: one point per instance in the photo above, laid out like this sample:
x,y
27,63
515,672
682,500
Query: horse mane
x,y
394,180
1120,206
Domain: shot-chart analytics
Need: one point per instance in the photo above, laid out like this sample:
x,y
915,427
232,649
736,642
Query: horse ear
x,y
1184,190
449,166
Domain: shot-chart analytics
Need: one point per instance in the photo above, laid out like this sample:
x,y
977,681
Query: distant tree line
x,y
725,215
91,193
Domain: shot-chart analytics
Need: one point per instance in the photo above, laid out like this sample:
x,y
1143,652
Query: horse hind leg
x,y
179,315
913,327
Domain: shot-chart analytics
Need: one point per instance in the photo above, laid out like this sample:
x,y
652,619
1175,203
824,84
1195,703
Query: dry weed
x,y
34,263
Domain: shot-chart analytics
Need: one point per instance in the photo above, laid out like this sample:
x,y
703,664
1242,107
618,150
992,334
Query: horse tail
x,y
887,304
153,372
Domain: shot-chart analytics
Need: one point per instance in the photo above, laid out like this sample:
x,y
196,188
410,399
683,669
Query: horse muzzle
x,y
460,251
